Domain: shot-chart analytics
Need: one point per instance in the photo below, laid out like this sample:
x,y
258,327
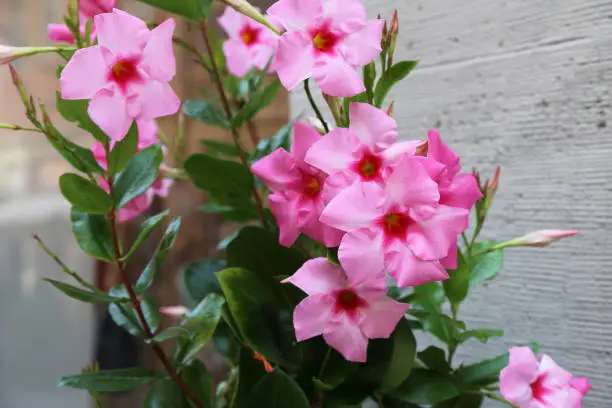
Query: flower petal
x,y
134,208
296,14
315,229
451,261
158,55
346,15
277,170
358,206
108,110
60,33
304,137
238,57
156,99
463,192
336,77
408,270
344,335
294,59
361,256
361,47
318,276
398,150
84,75
311,315
373,126
556,376
381,317
123,34
442,153
284,207
411,186
334,152
232,22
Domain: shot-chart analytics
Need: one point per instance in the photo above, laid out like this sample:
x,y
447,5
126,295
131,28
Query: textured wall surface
x,y
526,84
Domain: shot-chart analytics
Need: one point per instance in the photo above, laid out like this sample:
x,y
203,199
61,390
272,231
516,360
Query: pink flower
x,y
363,152
87,9
250,44
126,76
147,136
348,309
529,383
91,8
298,192
325,39
399,224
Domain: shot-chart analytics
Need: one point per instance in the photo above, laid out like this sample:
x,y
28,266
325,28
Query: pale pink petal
x,y
156,99
555,375
315,229
232,22
515,388
121,33
345,15
361,255
135,207
311,315
442,153
296,14
99,154
304,136
450,262
434,168
317,277
294,59
563,398
336,183
238,57
60,33
462,193
84,75
158,55
261,55
161,187
344,335
336,77
361,47
381,317
284,209
277,170
430,239
108,111
410,185
334,152
358,206
398,150
581,384
147,133
373,126
408,270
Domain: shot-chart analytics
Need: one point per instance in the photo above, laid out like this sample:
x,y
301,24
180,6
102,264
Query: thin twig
x,y
9,126
314,106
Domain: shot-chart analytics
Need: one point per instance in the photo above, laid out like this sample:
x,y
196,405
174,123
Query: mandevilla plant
x,y
350,236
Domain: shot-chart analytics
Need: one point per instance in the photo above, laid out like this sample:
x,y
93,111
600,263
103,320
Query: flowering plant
x,y
351,238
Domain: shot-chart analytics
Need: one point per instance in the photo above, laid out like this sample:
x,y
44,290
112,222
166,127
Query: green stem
x,y
314,105
10,126
324,365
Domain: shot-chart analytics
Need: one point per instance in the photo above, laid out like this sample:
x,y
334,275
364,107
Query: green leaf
x,y
146,229
251,371
258,101
164,394
395,74
139,174
167,242
258,250
263,319
76,111
482,335
430,297
282,138
111,380
202,321
426,387
463,401
402,359
247,211
201,279
127,317
486,266
457,285
84,195
93,235
169,334
215,149
196,10
369,76
434,358
80,158
121,153
83,295
207,112
199,380
276,390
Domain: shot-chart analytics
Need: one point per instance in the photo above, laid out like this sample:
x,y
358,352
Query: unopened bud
x,y
246,8
316,124
493,184
9,53
23,94
422,149
539,238
174,311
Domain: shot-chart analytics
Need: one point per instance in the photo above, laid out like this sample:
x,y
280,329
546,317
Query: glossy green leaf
x,y
138,175
277,390
369,77
239,212
434,358
84,195
169,334
251,371
123,150
196,10
199,380
79,157
457,285
487,371
261,316
258,250
482,335
167,242
215,148
485,266
336,371
165,394
86,296
202,321
395,74
426,387
76,111
258,101
402,359
282,138
126,316
206,111
145,231
93,235
111,380
201,279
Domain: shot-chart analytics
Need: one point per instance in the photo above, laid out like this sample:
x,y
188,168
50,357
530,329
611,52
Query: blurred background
x,y
518,83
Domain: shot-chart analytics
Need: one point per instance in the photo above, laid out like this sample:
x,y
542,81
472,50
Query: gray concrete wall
x,y
526,84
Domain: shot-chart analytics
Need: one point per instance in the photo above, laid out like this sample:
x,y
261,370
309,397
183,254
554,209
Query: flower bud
x,y
174,311
18,82
539,238
390,109
9,53
316,124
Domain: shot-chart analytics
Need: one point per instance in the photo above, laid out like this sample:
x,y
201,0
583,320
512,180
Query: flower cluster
x,y
87,9
530,382
147,136
387,206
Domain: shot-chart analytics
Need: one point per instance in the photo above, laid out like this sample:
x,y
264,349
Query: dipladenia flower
x,y
348,307
126,76
87,9
398,224
298,192
250,44
529,382
327,40
147,136
363,152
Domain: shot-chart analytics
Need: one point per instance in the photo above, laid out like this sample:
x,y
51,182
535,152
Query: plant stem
x,y
324,364
112,220
9,126
253,132
228,112
314,105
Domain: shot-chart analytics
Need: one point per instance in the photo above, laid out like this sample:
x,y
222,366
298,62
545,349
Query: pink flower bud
x,y
174,311
541,238
9,54
493,184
